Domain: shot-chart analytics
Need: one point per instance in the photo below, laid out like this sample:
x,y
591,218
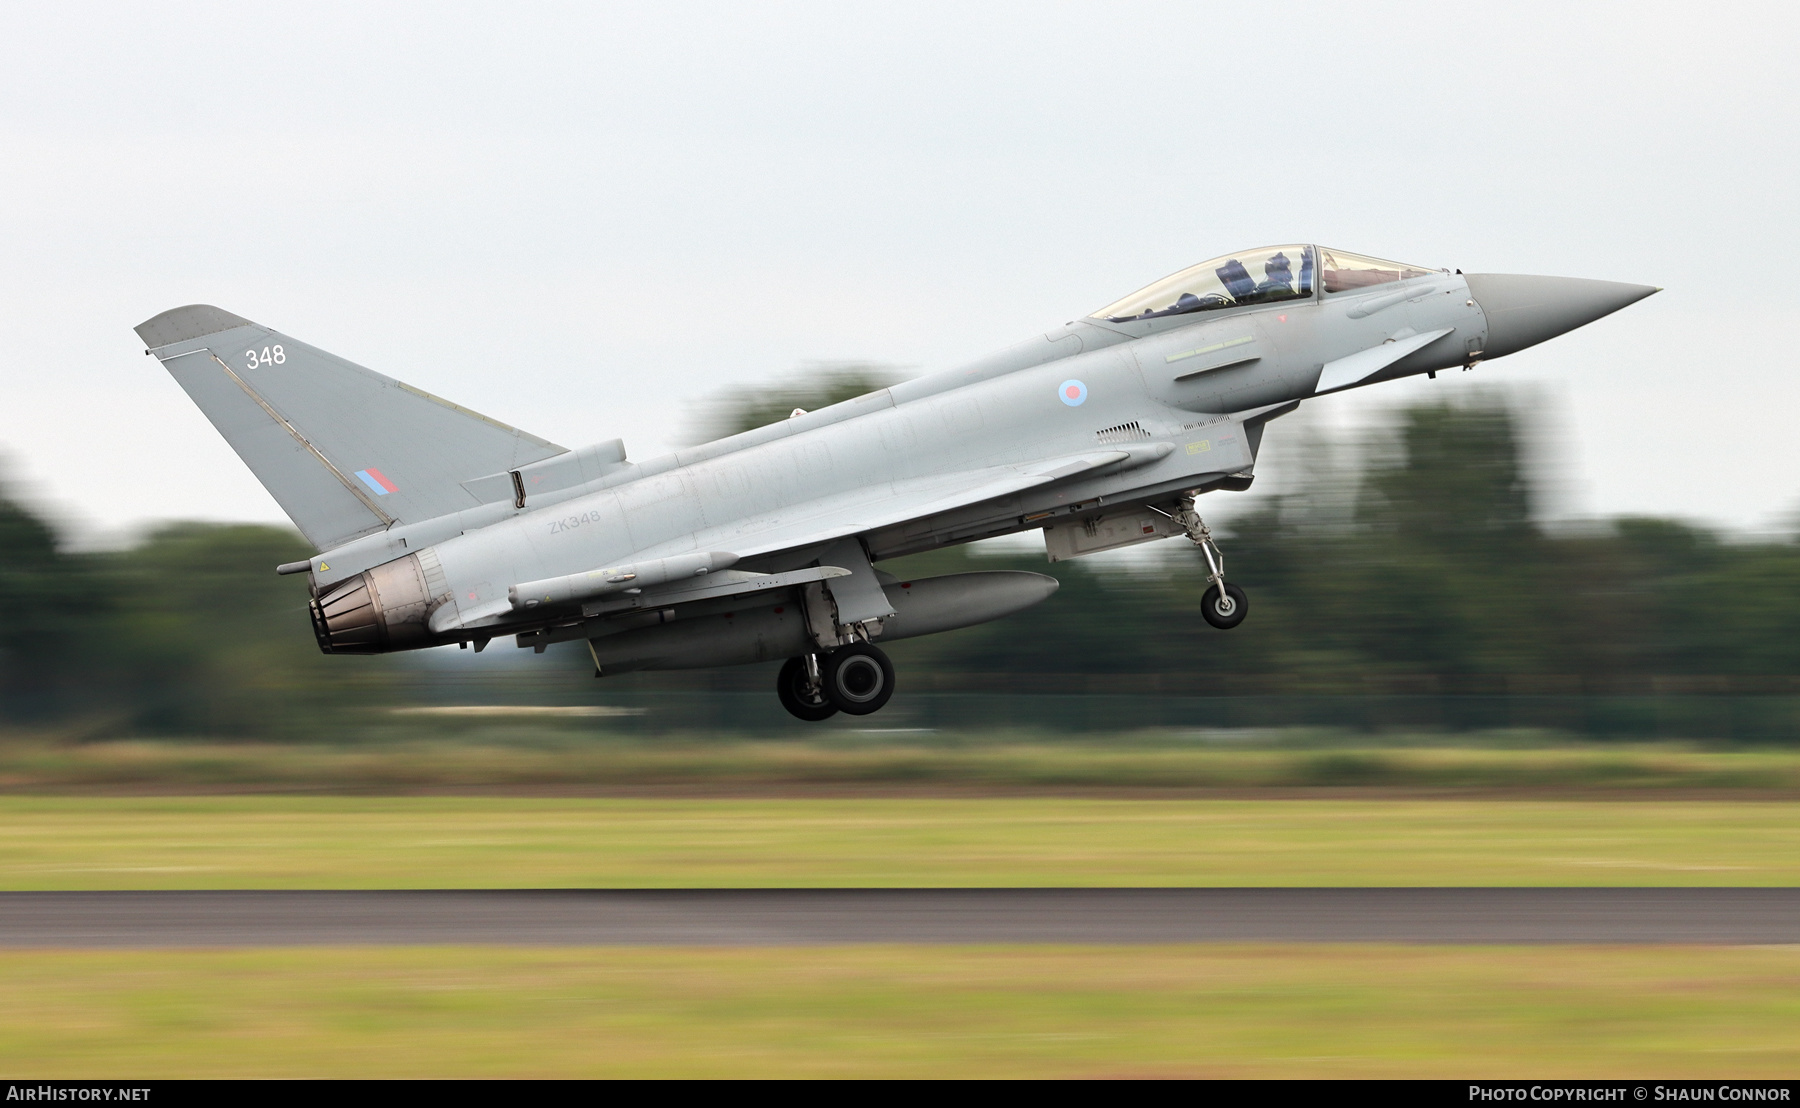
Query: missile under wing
x,y
436,524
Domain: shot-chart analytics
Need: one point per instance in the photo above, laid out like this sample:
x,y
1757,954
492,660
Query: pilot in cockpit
x,y
1221,283
1278,277
1277,282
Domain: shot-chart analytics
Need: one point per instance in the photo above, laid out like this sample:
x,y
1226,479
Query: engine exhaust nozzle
x,y
379,610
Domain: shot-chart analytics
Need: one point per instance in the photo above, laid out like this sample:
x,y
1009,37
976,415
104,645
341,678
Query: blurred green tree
x,y
207,639
812,387
1414,553
188,631
1454,571
51,607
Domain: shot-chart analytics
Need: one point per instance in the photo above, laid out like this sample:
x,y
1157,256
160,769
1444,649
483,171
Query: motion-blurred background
x,y
1401,581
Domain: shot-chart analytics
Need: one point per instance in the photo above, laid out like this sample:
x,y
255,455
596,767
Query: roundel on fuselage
x,y
1072,393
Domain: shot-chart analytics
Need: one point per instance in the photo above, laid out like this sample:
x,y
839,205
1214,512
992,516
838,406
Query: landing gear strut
x,y
1222,605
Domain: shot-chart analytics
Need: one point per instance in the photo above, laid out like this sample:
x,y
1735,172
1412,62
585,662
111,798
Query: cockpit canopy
x,y
1256,277
1348,272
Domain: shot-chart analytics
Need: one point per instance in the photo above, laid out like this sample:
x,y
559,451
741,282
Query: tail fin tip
x,y
189,322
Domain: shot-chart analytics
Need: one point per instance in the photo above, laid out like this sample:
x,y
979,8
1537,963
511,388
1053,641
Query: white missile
x,y
612,579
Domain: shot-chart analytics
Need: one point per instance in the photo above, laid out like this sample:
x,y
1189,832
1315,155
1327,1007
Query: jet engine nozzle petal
x,y
1523,310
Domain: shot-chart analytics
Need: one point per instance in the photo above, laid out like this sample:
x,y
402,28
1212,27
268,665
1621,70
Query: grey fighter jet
x,y
438,525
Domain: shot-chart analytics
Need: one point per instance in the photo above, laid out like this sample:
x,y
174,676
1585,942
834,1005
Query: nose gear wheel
x,y
1226,609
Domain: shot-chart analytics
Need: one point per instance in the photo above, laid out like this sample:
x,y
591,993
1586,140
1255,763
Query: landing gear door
x,y
1073,538
846,609
821,616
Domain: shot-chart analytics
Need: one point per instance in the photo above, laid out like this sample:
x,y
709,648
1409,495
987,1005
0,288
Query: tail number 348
x,y
271,355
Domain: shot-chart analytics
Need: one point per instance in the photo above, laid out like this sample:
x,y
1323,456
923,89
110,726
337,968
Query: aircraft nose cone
x,y
1523,310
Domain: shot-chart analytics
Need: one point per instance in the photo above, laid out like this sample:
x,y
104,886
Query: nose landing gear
x,y
857,680
1222,605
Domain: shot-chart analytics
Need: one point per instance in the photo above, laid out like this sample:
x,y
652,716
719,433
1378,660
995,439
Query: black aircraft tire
x,y
801,702
859,679
1236,606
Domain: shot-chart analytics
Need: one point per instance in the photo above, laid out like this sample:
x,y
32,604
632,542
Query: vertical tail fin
x,y
345,451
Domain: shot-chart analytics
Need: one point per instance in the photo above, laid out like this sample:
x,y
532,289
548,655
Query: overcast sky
x,y
582,219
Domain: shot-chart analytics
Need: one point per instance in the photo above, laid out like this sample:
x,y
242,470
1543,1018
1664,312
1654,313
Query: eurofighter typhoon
x,y
437,525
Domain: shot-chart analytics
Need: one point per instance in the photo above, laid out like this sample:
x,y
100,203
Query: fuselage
x,y
1173,385
1006,409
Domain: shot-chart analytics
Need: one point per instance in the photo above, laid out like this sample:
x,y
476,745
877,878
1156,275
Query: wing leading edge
x,y
861,511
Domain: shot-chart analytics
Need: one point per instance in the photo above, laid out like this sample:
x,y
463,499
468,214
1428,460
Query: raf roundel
x,y
1072,393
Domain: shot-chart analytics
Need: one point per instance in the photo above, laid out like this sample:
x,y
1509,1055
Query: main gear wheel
x,y
802,689
858,679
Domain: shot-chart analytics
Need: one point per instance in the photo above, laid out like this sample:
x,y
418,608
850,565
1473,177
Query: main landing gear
x,y
856,680
802,690
1222,605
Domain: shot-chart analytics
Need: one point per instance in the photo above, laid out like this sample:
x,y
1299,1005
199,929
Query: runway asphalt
x,y
762,917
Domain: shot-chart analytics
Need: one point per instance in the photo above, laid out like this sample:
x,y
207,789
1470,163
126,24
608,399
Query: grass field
x,y
1213,1010
1309,1011
471,842
517,756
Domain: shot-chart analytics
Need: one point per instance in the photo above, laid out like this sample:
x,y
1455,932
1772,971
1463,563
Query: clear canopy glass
x,y
1251,277
1341,272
